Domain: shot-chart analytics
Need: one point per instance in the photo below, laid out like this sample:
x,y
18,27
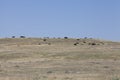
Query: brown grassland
x,y
59,59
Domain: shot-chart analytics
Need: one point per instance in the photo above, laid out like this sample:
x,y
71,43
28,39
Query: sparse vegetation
x,y
116,79
59,59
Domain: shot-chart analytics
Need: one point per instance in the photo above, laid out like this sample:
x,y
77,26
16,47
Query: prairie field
x,y
59,59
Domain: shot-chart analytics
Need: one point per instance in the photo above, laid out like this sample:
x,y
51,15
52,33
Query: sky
x,y
58,18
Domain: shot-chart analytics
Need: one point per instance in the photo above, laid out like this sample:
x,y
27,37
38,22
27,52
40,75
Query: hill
x,y
59,59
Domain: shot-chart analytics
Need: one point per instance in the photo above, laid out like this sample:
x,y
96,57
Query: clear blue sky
x,y
59,18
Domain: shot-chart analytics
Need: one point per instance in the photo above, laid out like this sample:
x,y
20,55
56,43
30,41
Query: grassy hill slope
x,y
59,59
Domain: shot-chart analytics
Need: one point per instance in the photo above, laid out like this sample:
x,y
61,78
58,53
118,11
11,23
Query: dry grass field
x,y
59,59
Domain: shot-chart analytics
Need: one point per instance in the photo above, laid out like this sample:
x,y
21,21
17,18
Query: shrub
x,y
49,72
92,43
84,41
49,43
22,36
85,37
44,39
76,43
13,36
39,43
65,37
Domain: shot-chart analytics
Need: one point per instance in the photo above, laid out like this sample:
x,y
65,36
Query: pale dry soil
x,y
24,59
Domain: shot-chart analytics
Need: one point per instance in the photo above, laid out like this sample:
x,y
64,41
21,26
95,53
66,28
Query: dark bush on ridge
x,y
65,37
22,37
13,36
85,38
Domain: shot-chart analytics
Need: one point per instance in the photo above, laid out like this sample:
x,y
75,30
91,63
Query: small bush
x,y
39,43
49,43
76,43
92,43
65,37
85,38
17,66
49,72
13,36
22,37
102,43
84,42
59,38
44,39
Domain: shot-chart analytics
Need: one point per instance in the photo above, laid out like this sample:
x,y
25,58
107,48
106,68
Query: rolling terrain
x,y
59,59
